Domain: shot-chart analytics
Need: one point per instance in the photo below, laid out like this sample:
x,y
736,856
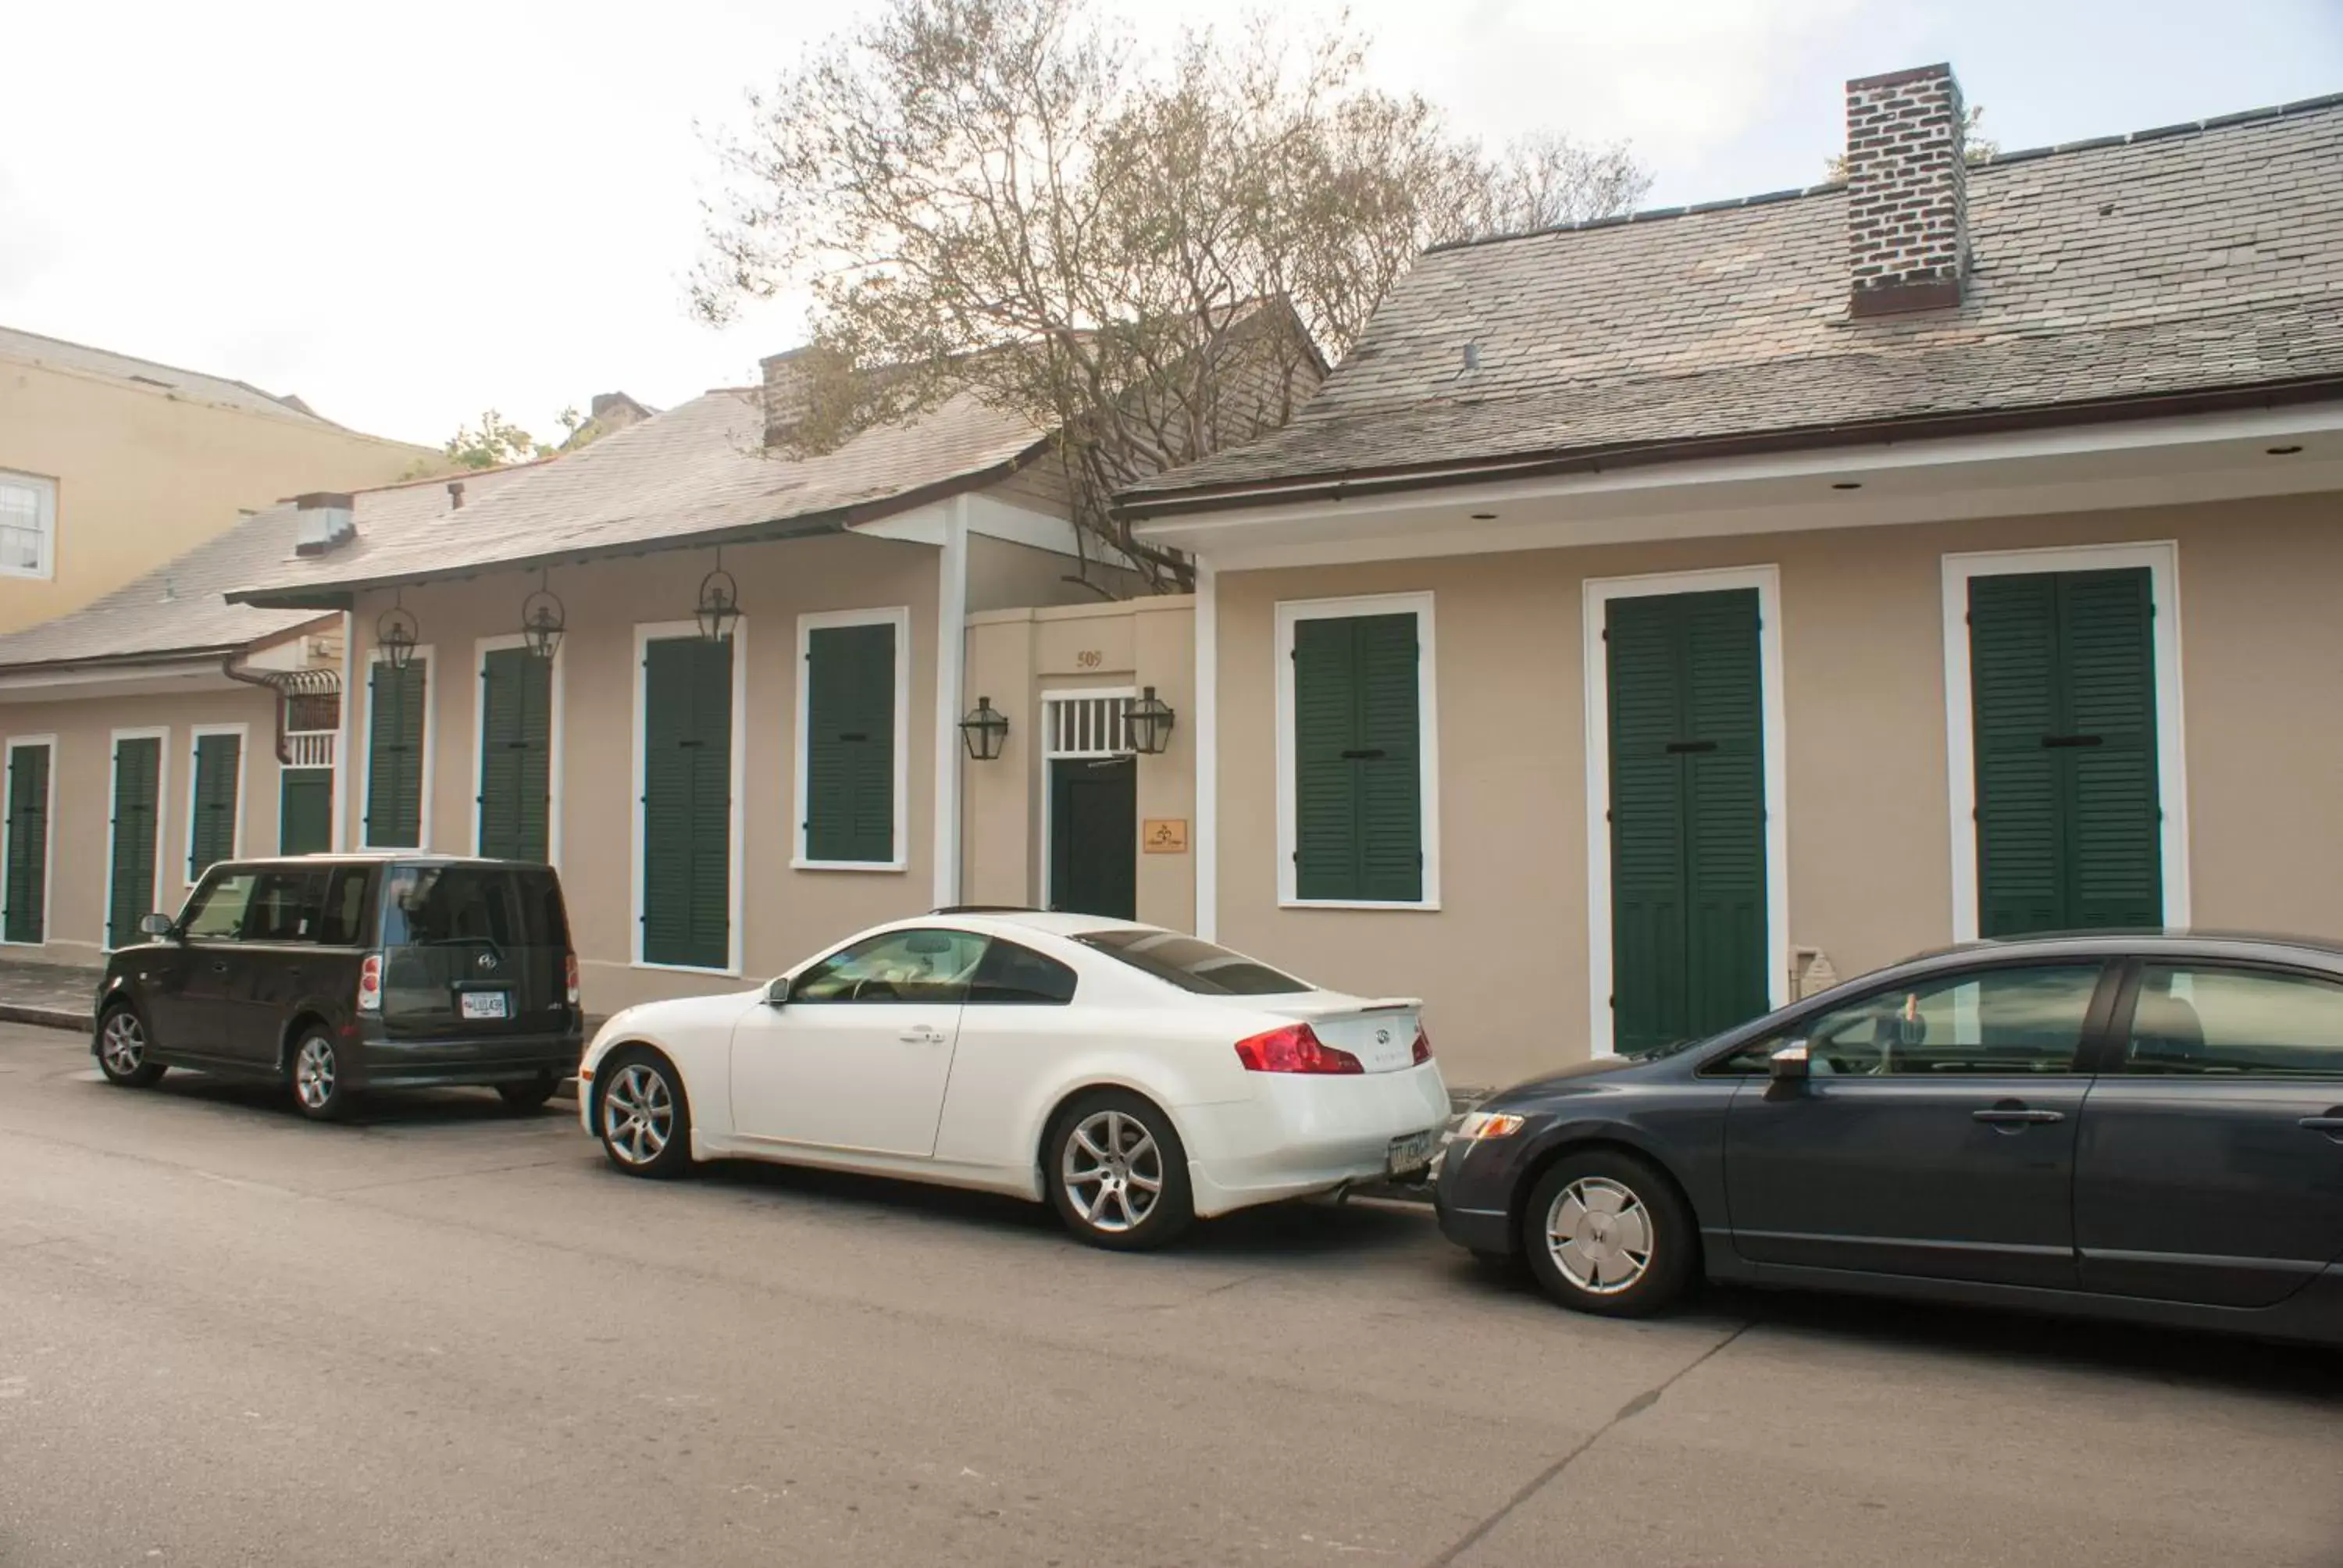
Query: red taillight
x,y
1296,1047
370,984
1422,1047
569,977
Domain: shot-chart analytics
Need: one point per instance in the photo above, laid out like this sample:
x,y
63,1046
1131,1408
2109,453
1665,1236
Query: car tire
x,y
641,1114
1605,1233
1103,1151
321,1090
122,1049
527,1096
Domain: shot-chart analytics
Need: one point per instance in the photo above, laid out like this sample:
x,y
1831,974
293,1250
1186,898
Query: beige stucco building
x,y
1655,617
111,465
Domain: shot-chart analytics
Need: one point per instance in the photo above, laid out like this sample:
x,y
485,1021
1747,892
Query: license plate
x,y
1410,1154
477,1004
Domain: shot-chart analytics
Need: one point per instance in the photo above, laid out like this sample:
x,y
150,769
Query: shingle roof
x,y
177,612
697,472
2187,259
35,348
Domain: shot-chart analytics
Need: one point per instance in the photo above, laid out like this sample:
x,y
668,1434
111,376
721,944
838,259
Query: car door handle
x,y
2330,1125
2000,1116
924,1034
219,966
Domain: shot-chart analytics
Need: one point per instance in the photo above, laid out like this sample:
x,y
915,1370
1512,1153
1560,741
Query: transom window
x,y
28,525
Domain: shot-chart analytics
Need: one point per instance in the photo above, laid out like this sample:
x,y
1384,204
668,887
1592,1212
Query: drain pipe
x,y
229,668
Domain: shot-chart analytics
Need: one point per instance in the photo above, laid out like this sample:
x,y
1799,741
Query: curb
x,y
47,1018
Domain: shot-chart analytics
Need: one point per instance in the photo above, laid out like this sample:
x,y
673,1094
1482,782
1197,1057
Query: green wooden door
x,y
24,894
305,810
394,808
1094,836
687,802
2069,819
211,827
515,755
1687,815
850,804
130,880
1358,802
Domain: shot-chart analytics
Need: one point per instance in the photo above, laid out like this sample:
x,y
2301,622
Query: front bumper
x,y
1472,1197
403,1063
1303,1134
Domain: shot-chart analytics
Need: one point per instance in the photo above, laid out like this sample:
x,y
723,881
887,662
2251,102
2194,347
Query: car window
x,y
2223,1023
215,911
284,906
1009,974
468,905
344,922
1192,965
1979,1022
923,966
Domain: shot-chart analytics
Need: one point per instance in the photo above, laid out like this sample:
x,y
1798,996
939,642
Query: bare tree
x,y
1150,260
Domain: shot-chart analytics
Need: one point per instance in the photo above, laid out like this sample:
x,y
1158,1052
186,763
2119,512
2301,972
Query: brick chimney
x,y
785,395
1907,205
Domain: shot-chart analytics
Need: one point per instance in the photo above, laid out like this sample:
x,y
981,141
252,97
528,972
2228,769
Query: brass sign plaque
x,y
1164,836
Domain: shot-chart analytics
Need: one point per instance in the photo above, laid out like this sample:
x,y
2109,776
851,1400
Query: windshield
x,y
1191,965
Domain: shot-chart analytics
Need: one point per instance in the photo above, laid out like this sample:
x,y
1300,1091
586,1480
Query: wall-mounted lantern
x,y
719,602
542,621
985,729
1147,722
394,634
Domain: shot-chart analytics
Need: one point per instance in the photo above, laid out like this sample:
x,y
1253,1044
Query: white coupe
x,y
1133,1077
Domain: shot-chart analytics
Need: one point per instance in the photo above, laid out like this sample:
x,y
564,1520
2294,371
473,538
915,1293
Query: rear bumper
x,y
1303,1134
407,1063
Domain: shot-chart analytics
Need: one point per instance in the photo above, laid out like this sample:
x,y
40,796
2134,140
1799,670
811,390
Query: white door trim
x,y
1599,593
424,654
195,733
647,633
48,836
899,618
161,735
1050,753
2162,559
482,649
1291,612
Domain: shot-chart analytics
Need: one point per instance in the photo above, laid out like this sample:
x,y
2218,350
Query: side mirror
x,y
1793,1063
157,925
777,993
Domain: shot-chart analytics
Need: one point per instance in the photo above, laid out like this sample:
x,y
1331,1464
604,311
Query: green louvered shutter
x,y
2062,689
211,833
25,918
1688,924
687,802
305,810
515,755
850,805
393,810
1358,759
130,882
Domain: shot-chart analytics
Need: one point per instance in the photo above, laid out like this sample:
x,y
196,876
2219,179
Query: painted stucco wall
x,y
82,763
143,475
1504,962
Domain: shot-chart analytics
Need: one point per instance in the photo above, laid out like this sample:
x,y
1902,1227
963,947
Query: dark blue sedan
x,y
2144,1126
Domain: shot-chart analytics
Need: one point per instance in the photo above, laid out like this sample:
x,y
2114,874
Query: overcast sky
x,y
434,207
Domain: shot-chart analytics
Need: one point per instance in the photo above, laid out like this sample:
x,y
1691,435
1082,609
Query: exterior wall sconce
x,y
1147,722
985,729
394,634
719,602
541,621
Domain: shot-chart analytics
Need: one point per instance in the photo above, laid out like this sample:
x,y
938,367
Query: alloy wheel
x,y
315,1073
123,1044
637,1114
1600,1235
1113,1171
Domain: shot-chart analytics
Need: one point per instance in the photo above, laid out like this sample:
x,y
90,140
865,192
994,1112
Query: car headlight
x,y
1483,1124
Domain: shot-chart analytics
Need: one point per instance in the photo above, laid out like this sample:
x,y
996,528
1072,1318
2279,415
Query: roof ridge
x,y
1981,166
165,365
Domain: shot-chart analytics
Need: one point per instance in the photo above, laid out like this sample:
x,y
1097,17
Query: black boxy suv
x,y
333,974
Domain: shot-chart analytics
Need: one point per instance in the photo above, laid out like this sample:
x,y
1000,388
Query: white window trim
x,y
899,618
426,655
1291,613
482,649
1050,774
161,735
195,733
2162,559
647,633
1599,593
47,488
48,831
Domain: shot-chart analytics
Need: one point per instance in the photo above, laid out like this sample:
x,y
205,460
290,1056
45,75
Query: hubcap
x,y
637,1114
1600,1235
1113,1171
313,1073
124,1044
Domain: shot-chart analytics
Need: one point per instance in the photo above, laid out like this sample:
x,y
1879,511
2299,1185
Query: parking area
x,y
447,1335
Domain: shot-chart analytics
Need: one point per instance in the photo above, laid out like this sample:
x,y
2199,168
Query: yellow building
x,y
110,465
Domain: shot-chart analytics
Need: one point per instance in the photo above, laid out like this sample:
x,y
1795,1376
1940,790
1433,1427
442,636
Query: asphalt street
x,y
448,1336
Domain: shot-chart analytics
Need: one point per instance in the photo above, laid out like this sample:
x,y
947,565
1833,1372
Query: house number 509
x,y
1089,658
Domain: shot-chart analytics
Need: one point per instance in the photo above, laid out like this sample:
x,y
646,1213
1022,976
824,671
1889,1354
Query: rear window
x,y
1191,965
429,906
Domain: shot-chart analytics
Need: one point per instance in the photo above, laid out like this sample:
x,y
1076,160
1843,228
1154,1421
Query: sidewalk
x,y
57,996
